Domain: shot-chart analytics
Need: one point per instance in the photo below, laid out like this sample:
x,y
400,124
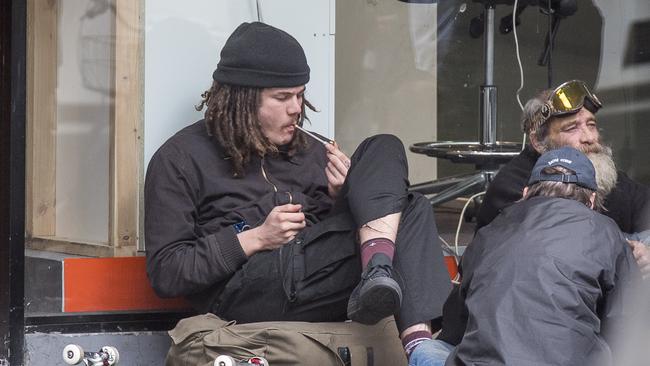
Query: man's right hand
x,y
280,227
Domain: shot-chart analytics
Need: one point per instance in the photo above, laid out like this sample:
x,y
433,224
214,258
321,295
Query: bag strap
x,y
197,324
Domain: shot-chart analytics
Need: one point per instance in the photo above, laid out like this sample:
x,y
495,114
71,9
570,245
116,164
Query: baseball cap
x,y
569,158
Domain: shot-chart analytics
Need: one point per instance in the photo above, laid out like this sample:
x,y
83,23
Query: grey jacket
x,y
542,285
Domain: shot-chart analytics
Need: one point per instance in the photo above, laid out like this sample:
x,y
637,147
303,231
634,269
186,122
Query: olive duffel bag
x,y
199,340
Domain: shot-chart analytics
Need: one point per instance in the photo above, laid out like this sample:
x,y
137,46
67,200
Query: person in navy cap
x,y
549,278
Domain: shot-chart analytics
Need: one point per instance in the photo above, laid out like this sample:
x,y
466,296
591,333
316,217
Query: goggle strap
x,y
591,106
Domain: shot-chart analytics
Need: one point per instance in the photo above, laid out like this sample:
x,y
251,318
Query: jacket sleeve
x,y
506,188
641,214
180,262
620,305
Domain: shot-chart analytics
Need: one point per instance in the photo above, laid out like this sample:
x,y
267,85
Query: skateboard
x,y
224,360
75,355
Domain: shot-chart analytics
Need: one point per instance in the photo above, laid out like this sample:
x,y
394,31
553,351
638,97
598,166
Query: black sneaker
x,y
377,295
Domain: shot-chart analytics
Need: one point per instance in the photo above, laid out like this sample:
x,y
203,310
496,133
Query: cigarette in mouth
x,y
324,141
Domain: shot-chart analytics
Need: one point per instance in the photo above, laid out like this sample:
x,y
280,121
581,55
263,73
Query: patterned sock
x,y
412,340
374,246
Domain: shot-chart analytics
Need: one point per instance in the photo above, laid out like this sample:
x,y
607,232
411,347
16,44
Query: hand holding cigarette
x,y
336,170
337,165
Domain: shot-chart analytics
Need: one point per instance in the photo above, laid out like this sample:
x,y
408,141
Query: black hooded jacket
x,y
194,208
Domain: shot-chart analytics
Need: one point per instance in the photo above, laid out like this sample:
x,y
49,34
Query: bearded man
x,y
550,125
561,117
564,116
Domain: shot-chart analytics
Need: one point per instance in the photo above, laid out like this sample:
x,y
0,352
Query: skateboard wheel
x,y
72,354
224,360
113,354
258,361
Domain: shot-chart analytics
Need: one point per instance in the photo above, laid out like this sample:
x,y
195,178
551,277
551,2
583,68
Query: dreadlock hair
x,y
563,190
231,117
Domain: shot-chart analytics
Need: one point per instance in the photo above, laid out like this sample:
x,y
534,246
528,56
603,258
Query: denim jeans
x,y
432,352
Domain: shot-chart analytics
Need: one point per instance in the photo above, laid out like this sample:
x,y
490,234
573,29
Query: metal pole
x,y
13,31
489,45
488,123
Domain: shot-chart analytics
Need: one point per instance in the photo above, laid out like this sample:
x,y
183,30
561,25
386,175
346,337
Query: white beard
x,y
606,174
601,157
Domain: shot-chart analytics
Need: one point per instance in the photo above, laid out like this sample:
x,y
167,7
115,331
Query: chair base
x,y
487,158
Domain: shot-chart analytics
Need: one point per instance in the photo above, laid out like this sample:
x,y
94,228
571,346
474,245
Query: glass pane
x,y
71,109
84,98
386,79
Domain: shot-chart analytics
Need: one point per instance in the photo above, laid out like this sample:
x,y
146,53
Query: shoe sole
x,y
379,299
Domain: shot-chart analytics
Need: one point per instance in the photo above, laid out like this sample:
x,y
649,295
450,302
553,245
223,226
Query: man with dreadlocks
x,y
251,221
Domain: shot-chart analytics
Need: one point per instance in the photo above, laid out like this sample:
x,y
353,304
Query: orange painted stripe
x,y
111,284
452,267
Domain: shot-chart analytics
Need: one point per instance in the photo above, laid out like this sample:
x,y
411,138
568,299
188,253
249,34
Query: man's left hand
x,y
642,256
337,169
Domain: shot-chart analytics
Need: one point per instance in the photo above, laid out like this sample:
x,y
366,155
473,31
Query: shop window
x,y
84,107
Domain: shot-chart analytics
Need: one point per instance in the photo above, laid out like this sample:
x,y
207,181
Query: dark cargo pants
x,y
312,277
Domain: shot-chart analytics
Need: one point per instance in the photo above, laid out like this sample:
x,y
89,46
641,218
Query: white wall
x,y
182,44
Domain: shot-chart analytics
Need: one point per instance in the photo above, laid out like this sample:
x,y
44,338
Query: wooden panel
x,y
126,163
41,117
75,247
111,284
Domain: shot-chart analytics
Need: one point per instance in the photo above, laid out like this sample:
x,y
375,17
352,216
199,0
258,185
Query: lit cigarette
x,y
322,140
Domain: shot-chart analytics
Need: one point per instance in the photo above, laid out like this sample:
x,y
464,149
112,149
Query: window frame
x,y
12,187
126,143
14,155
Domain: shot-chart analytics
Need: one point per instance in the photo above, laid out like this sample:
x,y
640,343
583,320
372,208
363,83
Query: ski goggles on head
x,y
567,98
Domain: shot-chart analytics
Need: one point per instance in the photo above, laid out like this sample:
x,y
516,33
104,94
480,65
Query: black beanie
x,y
259,55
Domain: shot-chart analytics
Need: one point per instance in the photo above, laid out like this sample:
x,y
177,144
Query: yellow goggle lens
x,y
570,96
